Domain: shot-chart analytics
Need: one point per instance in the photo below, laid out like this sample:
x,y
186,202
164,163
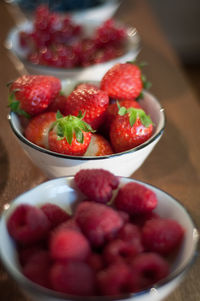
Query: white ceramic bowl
x,y
124,164
93,72
61,192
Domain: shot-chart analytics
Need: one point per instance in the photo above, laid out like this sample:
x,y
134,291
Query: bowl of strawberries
x,y
65,126
97,236
61,45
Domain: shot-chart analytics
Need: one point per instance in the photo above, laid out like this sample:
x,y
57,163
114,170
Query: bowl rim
x,y
22,138
51,293
15,50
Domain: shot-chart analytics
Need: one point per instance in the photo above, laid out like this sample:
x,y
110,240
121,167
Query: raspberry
x,y
98,222
113,280
96,261
37,268
96,184
55,214
70,224
69,244
162,235
129,232
149,268
28,224
135,199
141,219
73,277
119,250
26,252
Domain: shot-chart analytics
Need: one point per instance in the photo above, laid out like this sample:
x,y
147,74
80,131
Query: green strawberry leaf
x,y
15,106
147,85
145,119
79,135
58,115
67,126
122,111
132,117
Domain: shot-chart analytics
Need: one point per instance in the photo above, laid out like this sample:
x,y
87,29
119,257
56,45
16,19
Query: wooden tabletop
x,y
174,165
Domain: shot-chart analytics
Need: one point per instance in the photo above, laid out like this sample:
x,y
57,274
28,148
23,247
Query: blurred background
x,y
180,21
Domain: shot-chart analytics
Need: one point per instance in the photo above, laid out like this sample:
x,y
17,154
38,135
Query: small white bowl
x,y
125,163
93,72
61,192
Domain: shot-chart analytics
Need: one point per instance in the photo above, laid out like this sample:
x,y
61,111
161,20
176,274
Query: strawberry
x,y
98,146
130,128
38,128
123,81
112,112
70,135
90,100
31,94
58,104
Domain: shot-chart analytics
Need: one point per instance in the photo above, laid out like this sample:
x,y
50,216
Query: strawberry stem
x,y
135,113
69,125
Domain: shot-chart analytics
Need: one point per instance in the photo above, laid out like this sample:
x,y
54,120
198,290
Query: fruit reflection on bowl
x,y
63,192
123,163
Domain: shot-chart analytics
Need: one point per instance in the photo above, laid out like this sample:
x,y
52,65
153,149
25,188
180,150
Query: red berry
x,y
37,268
26,252
57,104
162,235
34,92
124,135
63,147
28,224
98,146
73,277
149,268
69,244
112,112
135,199
98,222
95,261
130,232
70,135
109,33
122,81
69,224
38,128
113,280
96,184
89,100
119,250
55,214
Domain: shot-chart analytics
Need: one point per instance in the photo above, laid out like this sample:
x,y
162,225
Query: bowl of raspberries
x,y
68,125
63,46
97,236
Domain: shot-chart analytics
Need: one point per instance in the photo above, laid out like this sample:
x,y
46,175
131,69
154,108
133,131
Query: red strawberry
x,y
38,128
70,135
58,104
31,94
123,81
91,101
98,146
112,112
129,129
